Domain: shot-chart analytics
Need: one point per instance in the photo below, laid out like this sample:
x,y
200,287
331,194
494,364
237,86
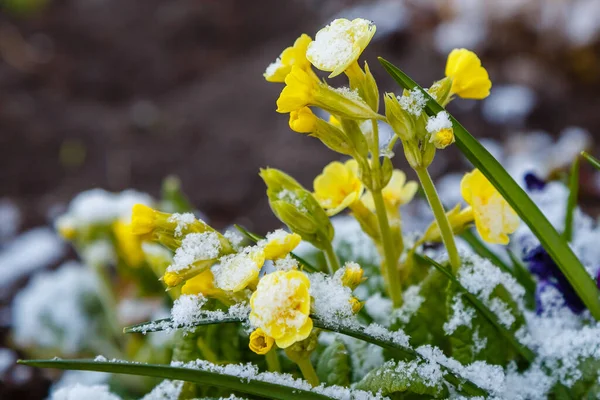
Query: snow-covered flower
x,y
338,186
281,307
469,79
236,271
494,217
339,44
279,244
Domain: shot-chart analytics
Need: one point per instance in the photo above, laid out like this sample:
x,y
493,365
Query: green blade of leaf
x,y
572,202
244,384
255,238
550,239
357,332
591,159
524,351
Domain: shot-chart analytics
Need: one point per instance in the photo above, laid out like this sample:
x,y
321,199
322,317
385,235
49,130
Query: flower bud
x,y
440,91
443,138
400,120
304,121
260,342
297,208
352,275
356,305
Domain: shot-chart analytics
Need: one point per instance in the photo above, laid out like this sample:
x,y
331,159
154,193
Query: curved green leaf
x,y
333,367
244,384
572,202
524,351
552,241
358,332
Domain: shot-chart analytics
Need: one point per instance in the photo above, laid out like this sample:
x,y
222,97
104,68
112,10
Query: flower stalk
x,y
440,216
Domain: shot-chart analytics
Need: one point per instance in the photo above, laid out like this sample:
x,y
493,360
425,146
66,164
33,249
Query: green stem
x,y
440,216
391,256
333,264
308,371
272,359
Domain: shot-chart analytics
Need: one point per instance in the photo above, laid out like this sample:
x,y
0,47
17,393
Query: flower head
x,y
143,219
469,79
338,186
281,307
292,56
237,271
494,217
396,193
339,44
280,243
129,245
298,91
260,343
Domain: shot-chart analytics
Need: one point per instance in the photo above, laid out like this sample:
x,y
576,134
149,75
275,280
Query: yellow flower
x,y
260,343
352,275
203,283
143,219
494,217
281,307
339,44
129,245
280,243
294,55
303,120
298,91
237,271
396,193
443,138
172,279
356,305
338,186
469,79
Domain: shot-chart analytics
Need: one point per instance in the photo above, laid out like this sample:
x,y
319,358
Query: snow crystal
x,y
195,247
234,269
250,372
424,371
413,102
77,392
331,298
479,343
334,45
235,238
51,310
187,309
290,197
349,93
462,315
35,249
412,302
166,390
86,378
286,263
438,122
182,221
273,67
379,308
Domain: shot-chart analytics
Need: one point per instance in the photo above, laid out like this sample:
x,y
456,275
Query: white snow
x,y
78,392
438,122
195,247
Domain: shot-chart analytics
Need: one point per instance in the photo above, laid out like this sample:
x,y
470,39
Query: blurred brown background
x,y
118,94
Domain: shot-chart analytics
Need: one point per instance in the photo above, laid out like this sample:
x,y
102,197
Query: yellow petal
x,y
469,79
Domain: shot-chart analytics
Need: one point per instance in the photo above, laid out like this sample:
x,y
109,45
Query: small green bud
x,y
401,121
297,208
440,91
371,92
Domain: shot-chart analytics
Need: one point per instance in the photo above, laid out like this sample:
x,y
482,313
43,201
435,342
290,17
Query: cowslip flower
x,y
440,128
338,186
128,244
303,89
293,55
469,79
279,244
260,343
396,193
494,217
281,307
236,271
338,45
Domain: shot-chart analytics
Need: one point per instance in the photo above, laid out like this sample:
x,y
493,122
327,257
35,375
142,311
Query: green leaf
x,y
413,379
256,238
550,239
246,384
592,160
333,367
397,350
572,202
425,326
486,312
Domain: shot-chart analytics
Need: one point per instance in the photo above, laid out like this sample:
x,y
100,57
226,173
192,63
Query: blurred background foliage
x,y
118,94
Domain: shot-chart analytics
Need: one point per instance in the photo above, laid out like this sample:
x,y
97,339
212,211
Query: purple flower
x,y
533,183
541,264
